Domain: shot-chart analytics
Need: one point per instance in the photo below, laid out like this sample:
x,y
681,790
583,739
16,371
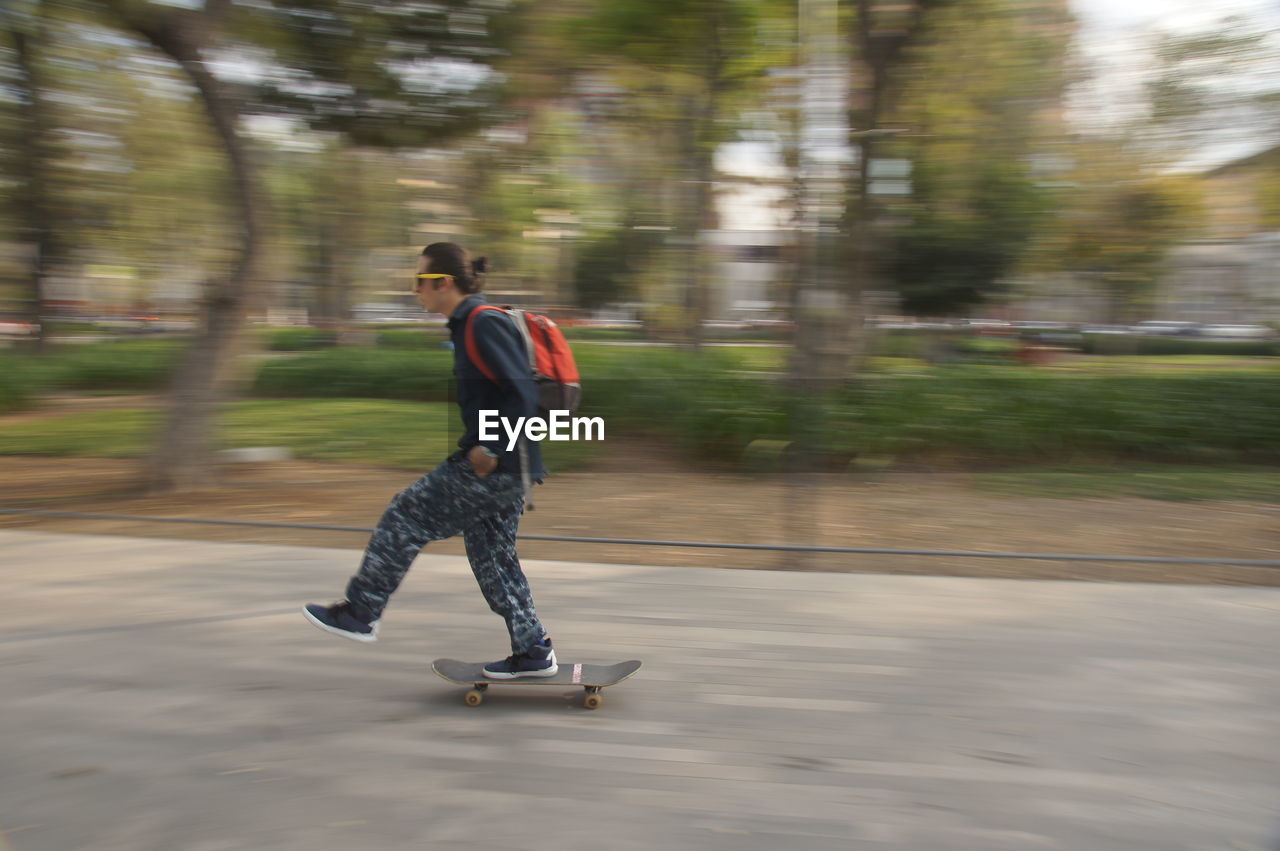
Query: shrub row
x,y
358,373
145,366
300,339
1108,344
16,386
707,405
892,343
393,337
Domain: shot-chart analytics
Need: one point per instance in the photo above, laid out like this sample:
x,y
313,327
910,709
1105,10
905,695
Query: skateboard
x,y
593,678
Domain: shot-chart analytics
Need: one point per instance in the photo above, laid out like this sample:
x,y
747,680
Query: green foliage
x,y
17,383
358,373
394,434
990,413
1104,344
137,365
1212,86
300,339
102,434
1017,417
412,338
386,433
1118,225
143,365
713,405
128,171
975,206
951,258
608,264
390,74
574,332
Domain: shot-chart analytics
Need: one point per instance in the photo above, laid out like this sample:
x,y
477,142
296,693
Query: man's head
x,y
450,276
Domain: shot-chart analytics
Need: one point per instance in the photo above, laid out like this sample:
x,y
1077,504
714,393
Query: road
x,y
165,694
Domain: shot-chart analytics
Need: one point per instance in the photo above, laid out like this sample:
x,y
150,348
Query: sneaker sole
x,y
370,638
548,672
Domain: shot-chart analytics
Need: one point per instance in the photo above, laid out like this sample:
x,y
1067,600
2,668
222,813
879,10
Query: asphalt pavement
x,y
167,694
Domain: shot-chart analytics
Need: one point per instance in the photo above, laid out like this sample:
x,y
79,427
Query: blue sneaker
x,y
341,619
540,661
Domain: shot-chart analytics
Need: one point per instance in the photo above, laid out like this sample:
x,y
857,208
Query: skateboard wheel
x,y
593,701
474,698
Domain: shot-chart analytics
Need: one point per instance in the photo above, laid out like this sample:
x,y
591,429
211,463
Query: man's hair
x,y
448,258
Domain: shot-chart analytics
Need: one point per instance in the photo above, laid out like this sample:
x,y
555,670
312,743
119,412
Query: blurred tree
x,y
183,458
700,62
26,25
976,203
947,260
608,266
1119,236
386,74
839,255
1210,89
334,205
390,74
1129,197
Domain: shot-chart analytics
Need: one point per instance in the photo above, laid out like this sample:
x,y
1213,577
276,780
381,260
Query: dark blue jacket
x,y
515,395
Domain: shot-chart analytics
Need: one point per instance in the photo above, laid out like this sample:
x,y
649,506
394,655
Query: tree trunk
x,y
184,459
37,214
691,216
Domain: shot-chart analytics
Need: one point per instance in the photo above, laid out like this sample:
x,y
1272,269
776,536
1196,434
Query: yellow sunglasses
x,y
429,276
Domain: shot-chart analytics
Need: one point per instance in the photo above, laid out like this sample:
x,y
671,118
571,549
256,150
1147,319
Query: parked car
x,y
1041,325
1238,332
1162,328
601,323
10,328
772,324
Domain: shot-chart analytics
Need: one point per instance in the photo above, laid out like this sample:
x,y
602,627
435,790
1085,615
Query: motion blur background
x,y
1028,240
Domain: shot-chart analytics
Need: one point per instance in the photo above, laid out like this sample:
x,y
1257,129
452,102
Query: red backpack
x,y
550,359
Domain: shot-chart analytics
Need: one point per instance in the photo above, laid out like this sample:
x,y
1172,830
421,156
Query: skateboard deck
x,y
593,678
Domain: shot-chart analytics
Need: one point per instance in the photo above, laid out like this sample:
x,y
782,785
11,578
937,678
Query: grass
x,y
415,436
1168,364
409,435
104,434
776,358
1166,482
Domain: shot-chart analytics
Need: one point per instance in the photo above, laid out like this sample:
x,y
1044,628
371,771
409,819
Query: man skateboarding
x,y
477,492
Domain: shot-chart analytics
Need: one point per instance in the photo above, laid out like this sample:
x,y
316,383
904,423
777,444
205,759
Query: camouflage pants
x,y
448,501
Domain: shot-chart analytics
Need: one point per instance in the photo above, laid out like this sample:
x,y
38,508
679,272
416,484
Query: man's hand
x,y
482,462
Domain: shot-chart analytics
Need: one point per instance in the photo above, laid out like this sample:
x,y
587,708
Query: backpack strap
x,y
469,336
473,352
522,328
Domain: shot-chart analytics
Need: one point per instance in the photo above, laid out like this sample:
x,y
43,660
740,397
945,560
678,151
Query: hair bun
x,y
480,265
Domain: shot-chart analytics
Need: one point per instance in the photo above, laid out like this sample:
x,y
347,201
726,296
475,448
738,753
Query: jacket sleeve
x,y
502,349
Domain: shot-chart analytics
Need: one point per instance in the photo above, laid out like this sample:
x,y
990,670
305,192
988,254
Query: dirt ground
x,y
644,492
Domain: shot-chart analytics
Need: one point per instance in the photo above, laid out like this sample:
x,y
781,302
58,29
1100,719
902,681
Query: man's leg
x,y
491,549
437,506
